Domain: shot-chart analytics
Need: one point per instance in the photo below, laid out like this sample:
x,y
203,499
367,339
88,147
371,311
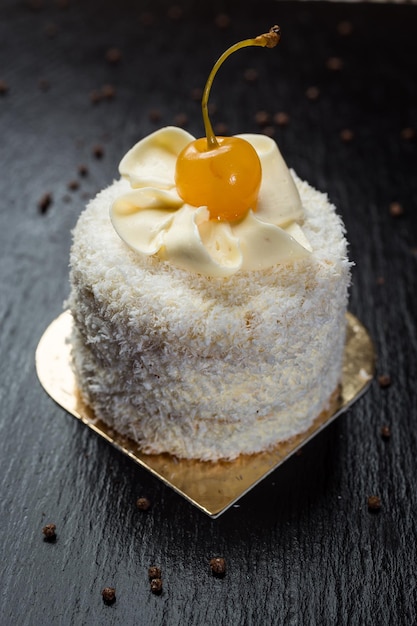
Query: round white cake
x,y
207,367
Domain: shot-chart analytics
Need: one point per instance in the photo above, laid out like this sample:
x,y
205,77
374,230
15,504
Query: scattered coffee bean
x,y
175,12
147,18
212,108
374,503
156,586
35,5
281,118
218,566
98,151
396,209
344,28
251,75
196,94
109,595
95,96
384,381
408,134
262,118
49,531
385,432
346,135
222,21
113,55
221,129
154,572
334,63
44,203
181,120
380,281
44,84
155,116
143,504
82,170
312,93
4,87
51,30
108,92
268,130
73,185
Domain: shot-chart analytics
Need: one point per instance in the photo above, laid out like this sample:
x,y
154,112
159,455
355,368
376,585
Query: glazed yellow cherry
x,y
225,179
222,173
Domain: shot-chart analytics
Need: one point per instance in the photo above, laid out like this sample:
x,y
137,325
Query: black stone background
x,y
301,548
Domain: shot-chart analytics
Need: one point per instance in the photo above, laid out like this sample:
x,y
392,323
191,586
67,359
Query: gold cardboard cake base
x,y
212,487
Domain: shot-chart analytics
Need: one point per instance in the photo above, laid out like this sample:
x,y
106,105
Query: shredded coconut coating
x,y
201,367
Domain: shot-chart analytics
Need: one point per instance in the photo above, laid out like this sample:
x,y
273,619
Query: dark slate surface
x,y
301,548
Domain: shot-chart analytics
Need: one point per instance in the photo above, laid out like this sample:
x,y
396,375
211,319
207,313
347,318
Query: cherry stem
x,y
267,40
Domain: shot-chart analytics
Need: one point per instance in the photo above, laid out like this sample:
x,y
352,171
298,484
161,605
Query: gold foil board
x,y
211,486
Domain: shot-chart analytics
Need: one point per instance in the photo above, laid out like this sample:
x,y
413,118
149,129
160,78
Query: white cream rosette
x,y
153,220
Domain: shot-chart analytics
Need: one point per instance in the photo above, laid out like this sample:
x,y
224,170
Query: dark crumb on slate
x,y
262,118
44,84
212,108
44,203
113,55
268,130
35,5
73,185
218,566
4,87
154,572
181,120
156,586
95,96
344,28
408,133
281,118
346,135
147,18
108,92
380,281
312,93
143,504
62,4
109,595
49,532
334,63
196,94
222,21
51,30
98,151
82,170
251,75
374,503
386,432
221,129
384,381
174,12
155,116
396,209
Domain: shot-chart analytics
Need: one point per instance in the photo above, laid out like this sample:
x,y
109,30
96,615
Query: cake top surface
x,y
119,275
152,218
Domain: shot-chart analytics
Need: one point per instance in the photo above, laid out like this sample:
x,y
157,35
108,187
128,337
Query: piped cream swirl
x,y
153,220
